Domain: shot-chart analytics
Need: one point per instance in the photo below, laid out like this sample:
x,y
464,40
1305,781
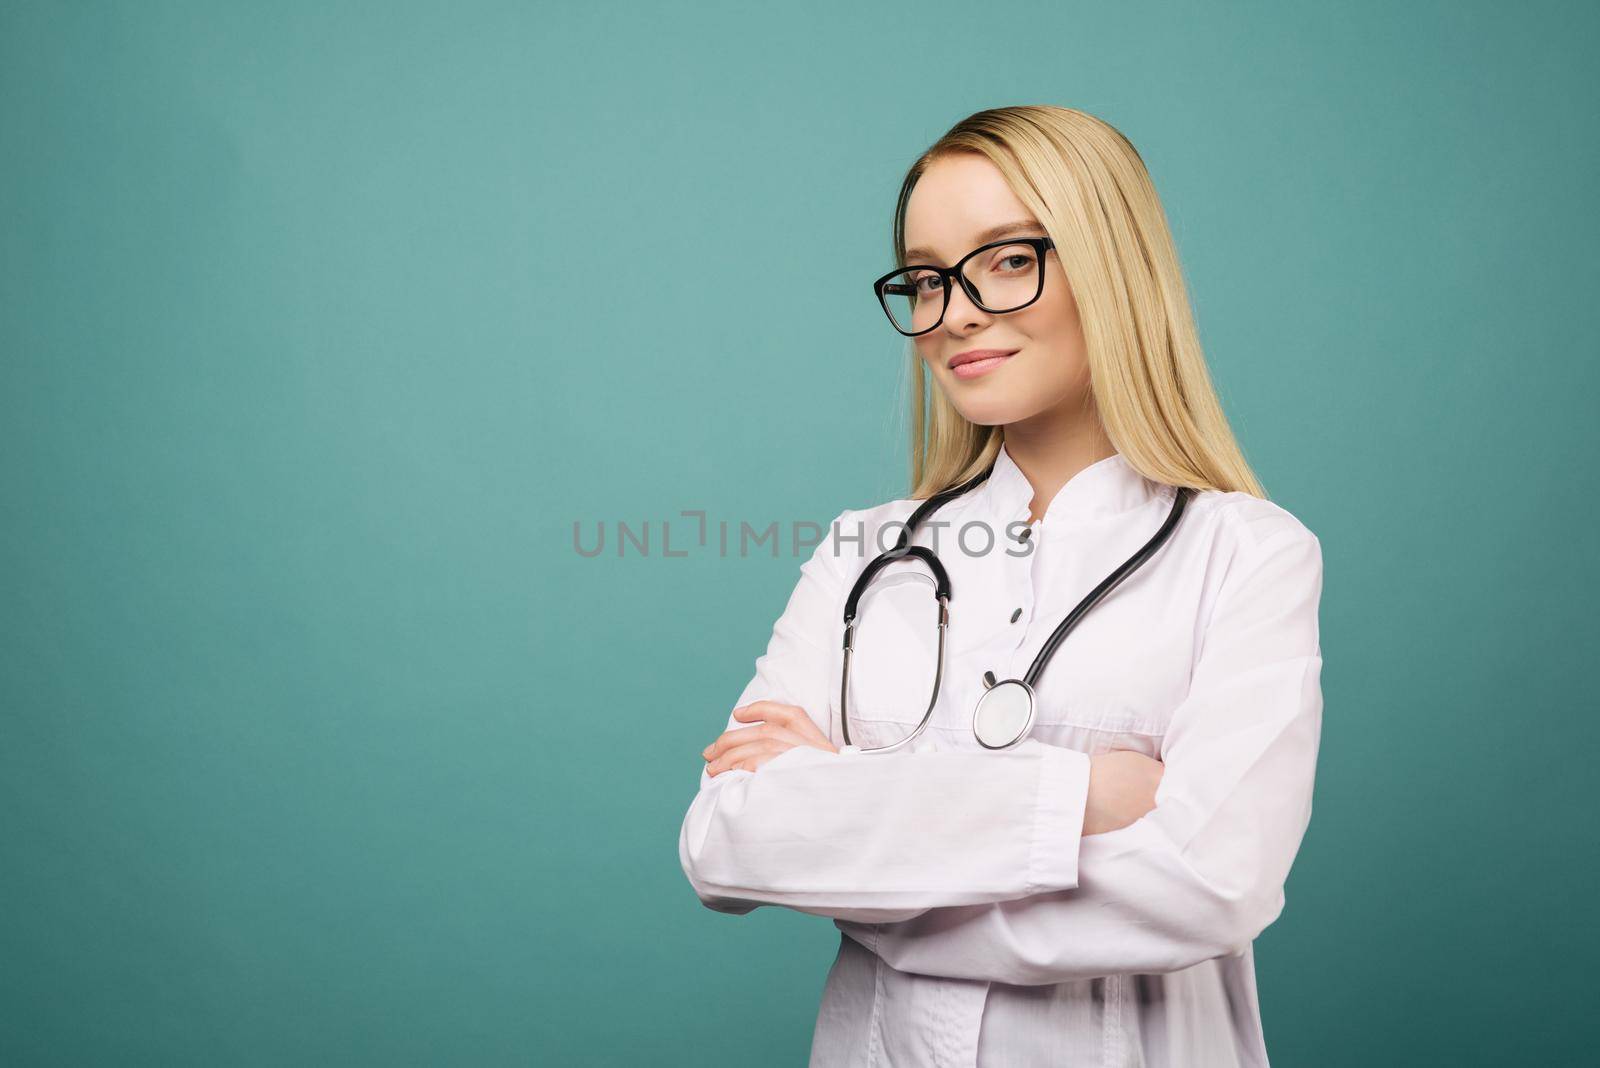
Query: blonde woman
x,y
1087,892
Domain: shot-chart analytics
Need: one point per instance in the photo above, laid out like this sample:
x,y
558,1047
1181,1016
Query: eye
x,y
1014,261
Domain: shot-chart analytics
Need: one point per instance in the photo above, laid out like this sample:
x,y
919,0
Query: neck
x,y
1051,447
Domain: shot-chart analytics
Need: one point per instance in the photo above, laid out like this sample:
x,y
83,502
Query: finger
x,y
807,728
741,756
771,711
741,735
729,737
792,716
776,736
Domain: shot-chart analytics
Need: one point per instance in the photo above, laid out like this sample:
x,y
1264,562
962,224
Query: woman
x,y
1090,894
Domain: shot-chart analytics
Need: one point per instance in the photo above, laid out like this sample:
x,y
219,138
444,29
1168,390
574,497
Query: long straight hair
x,y
1088,187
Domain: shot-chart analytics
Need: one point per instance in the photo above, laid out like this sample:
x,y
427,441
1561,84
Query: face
x,y
953,204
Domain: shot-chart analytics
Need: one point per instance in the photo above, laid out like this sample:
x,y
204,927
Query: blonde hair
x,y
1088,187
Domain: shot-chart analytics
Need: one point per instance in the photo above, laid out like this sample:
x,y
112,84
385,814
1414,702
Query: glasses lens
x,y
1005,277
914,299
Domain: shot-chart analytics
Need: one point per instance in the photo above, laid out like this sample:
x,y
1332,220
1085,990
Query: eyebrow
x,y
994,233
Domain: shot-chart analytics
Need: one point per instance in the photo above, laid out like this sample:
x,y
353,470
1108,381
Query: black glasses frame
x,y
881,286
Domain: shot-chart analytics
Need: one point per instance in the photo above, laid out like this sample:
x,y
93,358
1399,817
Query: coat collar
x,y
1107,487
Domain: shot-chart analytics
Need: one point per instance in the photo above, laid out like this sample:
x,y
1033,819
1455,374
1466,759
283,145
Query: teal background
x,y
322,324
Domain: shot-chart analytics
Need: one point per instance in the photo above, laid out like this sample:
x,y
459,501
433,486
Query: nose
x,y
961,313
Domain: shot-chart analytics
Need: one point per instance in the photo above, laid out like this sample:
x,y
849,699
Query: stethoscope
x,y
1004,713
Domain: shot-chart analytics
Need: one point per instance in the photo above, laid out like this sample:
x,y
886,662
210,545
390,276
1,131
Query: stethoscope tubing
x,y
943,593
1109,583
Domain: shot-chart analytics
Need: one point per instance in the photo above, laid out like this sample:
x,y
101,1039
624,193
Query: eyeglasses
x,y
1009,275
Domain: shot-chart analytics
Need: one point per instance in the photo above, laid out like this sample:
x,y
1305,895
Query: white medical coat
x,y
979,926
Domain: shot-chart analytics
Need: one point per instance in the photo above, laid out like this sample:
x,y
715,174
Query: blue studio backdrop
x,y
322,326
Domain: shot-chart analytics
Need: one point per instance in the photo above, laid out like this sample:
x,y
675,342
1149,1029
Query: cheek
x,y
1057,367
1055,301
927,355
1058,313
1056,329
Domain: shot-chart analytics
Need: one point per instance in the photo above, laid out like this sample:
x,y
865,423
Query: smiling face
x,y
953,208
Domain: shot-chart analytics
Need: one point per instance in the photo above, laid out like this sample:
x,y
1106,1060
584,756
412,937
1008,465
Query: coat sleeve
x,y
1201,874
873,837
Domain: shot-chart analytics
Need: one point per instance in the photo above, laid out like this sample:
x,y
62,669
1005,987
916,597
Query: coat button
x,y
1016,615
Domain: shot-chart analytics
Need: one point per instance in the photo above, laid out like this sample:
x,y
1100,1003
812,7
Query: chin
x,y
989,412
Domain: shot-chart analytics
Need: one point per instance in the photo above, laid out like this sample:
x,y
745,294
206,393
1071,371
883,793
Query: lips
x,y
973,355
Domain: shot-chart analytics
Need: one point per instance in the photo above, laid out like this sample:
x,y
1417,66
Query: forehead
x,y
954,207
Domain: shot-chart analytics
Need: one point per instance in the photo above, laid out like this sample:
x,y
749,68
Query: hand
x,y
1122,787
780,728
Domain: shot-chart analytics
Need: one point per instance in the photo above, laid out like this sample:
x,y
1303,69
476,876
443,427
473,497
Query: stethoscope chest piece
x,y
1004,713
